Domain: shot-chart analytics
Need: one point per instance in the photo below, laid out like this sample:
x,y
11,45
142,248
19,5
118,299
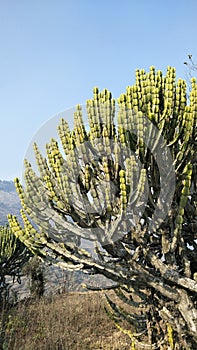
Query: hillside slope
x,y
9,201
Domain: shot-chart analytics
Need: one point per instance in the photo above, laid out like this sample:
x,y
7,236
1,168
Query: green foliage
x,y
35,270
109,176
13,256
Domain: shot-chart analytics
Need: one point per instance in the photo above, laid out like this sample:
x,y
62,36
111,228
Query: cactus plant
x,y
107,187
13,256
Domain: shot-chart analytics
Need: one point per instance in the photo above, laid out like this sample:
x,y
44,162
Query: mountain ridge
x,y
9,201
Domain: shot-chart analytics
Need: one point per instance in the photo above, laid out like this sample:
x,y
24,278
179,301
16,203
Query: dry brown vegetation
x,y
71,321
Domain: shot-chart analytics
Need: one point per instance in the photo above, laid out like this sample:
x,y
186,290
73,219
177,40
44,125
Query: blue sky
x,y
54,52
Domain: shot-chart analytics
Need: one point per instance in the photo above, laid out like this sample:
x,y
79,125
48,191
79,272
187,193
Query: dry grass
x,y
73,321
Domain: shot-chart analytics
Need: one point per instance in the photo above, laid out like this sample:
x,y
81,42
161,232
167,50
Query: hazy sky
x,y
54,52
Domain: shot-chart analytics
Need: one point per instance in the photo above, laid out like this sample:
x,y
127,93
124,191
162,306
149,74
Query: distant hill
x,y
9,201
7,186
